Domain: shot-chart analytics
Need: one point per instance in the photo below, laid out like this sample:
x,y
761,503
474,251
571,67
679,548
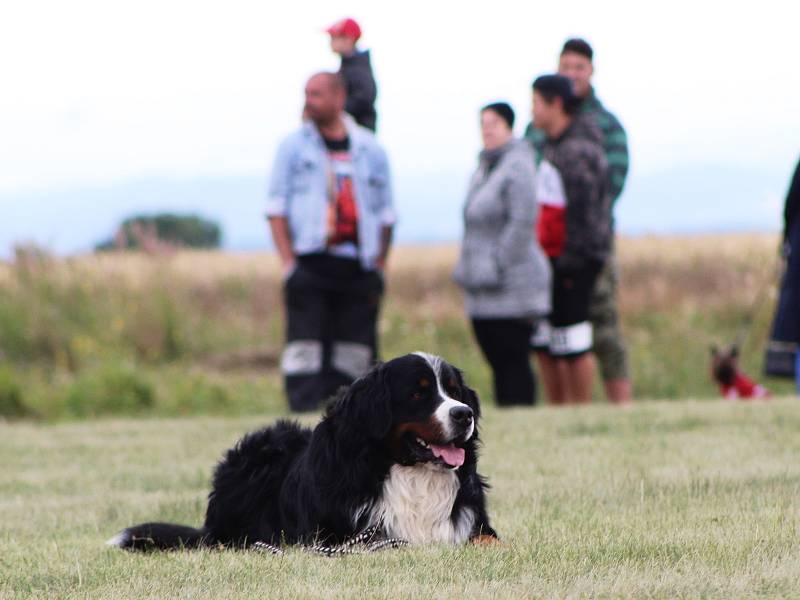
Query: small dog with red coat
x,y
733,383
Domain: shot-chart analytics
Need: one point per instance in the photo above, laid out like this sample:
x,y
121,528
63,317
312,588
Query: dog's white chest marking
x,y
417,505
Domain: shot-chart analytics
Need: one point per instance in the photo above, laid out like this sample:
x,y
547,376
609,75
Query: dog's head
x,y
417,407
724,364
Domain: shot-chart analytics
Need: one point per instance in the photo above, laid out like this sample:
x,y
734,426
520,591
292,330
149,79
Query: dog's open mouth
x,y
449,455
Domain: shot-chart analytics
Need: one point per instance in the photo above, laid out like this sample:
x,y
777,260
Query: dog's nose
x,y
461,415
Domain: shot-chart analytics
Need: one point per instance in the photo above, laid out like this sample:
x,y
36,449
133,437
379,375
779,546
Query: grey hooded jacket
x,y
502,269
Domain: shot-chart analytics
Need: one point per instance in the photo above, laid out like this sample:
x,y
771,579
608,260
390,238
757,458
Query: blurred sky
x,y
104,92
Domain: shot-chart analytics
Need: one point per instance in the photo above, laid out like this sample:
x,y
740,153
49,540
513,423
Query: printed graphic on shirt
x,y
342,212
551,224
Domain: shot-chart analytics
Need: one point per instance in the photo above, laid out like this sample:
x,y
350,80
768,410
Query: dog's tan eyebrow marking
x,y
424,382
452,382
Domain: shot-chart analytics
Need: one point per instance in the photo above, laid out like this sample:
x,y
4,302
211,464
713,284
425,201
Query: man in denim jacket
x,y
331,217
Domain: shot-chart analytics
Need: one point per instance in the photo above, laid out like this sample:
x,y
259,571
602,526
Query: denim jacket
x,y
298,189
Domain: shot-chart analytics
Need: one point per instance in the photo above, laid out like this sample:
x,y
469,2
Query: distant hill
x,y
683,200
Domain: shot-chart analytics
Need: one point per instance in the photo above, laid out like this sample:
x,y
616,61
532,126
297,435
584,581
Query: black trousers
x,y
505,344
782,349
331,335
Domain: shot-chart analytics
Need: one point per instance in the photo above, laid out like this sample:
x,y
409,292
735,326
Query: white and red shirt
x,y
551,229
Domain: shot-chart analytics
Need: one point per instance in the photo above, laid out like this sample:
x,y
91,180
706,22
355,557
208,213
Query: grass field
x,y
680,499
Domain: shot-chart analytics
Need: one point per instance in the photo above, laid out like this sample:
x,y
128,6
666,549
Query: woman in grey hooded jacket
x,y
503,271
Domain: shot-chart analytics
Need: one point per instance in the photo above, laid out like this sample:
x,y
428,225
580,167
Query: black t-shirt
x,y
342,145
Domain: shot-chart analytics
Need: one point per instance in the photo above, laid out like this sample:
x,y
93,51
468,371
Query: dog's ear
x,y
472,400
366,406
468,395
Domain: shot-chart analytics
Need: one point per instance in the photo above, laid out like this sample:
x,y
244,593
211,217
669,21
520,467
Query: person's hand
x,y
288,269
566,270
568,264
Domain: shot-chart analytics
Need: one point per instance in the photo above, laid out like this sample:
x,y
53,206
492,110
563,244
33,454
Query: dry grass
x,y
696,272
658,271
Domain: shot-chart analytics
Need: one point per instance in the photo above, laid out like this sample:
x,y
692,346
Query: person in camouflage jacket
x,y
614,141
578,159
574,229
575,62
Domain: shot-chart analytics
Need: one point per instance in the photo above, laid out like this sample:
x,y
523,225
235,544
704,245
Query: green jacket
x,y
615,142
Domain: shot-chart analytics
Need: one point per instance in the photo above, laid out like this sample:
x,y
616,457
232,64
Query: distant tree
x,y
164,232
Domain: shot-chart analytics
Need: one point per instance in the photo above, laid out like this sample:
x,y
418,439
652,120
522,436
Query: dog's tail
x,y
159,536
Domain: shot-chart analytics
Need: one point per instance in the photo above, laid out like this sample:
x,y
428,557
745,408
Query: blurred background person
x,y
783,358
575,62
503,271
574,230
356,71
330,213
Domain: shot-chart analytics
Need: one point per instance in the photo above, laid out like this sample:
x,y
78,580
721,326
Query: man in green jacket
x,y
575,62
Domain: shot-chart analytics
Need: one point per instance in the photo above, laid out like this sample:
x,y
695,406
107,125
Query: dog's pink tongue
x,y
450,454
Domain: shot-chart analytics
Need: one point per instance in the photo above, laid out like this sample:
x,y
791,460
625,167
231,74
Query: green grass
x,y
680,499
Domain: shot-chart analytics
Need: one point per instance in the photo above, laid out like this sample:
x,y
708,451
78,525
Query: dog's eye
x,y
416,396
452,388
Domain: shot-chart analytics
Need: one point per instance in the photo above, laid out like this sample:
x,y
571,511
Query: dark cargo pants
x,y
608,344
331,337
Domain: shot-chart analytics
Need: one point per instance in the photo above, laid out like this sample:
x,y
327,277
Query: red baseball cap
x,y
347,27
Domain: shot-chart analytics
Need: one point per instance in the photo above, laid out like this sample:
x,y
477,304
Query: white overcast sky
x,y
101,91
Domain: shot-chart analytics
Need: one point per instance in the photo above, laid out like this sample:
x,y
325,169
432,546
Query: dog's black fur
x,y
724,365
289,484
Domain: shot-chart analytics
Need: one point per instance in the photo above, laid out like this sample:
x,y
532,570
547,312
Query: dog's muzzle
x,y
463,420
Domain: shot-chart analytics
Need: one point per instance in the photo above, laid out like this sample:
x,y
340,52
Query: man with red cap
x,y
356,71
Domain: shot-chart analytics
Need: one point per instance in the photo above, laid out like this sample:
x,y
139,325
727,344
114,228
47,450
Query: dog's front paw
x,y
486,540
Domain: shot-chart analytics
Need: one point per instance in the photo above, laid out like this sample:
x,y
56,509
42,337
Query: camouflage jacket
x,y
615,142
578,158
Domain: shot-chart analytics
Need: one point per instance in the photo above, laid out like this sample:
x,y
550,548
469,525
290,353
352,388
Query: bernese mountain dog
x,y
396,450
